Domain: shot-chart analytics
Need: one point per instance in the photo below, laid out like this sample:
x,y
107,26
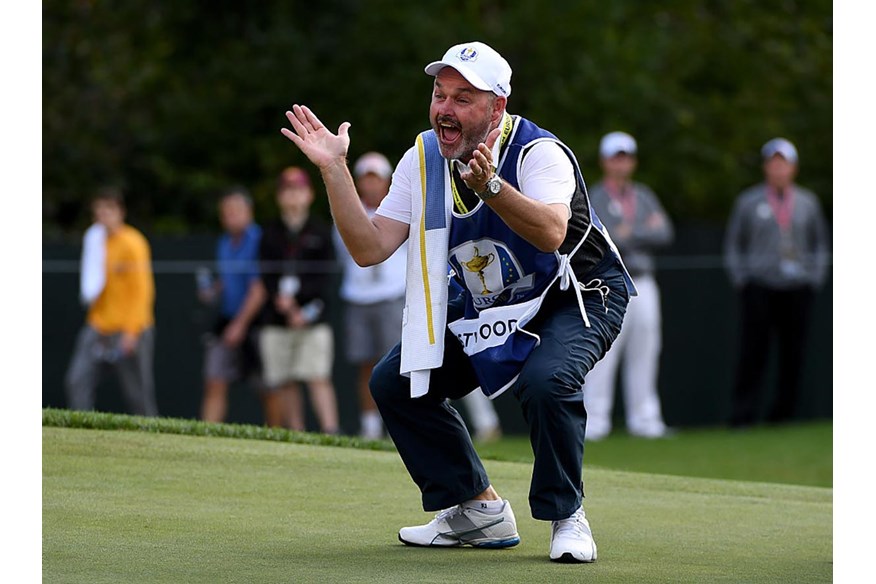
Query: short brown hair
x,y
109,194
294,176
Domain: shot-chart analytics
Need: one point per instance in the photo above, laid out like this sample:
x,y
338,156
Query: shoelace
x,y
573,526
447,513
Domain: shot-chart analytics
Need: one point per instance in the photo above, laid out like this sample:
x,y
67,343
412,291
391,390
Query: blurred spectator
x,y
638,225
119,327
232,347
374,297
776,254
484,419
297,343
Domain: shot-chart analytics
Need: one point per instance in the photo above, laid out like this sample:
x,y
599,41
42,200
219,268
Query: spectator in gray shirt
x,y
776,254
638,225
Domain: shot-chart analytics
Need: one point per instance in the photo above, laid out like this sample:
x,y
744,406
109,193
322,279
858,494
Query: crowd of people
x,y
272,294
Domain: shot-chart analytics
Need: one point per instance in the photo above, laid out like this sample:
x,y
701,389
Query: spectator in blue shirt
x,y
231,352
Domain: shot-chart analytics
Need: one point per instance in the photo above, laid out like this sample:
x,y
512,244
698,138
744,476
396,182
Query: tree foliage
x,y
175,100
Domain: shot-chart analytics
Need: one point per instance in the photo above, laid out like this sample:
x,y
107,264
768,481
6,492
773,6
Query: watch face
x,y
495,185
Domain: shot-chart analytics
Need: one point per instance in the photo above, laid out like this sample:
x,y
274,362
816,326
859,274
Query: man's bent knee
x,y
386,383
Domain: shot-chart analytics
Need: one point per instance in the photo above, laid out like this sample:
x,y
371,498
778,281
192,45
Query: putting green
x,y
141,507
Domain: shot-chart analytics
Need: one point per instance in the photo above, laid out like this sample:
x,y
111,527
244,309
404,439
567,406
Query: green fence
x,y
699,337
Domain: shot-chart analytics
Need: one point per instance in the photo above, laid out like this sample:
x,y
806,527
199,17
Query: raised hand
x,y
315,140
481,167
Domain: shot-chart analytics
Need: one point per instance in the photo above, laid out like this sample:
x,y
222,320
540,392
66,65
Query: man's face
x,y
235,214
372,188
108,213
620,166
294,199
461,114
779,171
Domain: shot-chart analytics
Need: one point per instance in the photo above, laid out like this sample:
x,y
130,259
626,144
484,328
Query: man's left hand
x,y
480,167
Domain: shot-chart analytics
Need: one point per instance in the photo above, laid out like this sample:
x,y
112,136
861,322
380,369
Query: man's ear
x,y
499,108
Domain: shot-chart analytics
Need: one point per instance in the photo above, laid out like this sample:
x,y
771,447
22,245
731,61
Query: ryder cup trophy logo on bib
x,y
468,54
490,272
478,264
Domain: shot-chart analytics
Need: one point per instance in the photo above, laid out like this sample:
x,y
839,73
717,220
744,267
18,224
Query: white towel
x,y
92,277
425,316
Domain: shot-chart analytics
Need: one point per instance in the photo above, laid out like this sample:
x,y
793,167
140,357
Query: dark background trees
x,y
174,100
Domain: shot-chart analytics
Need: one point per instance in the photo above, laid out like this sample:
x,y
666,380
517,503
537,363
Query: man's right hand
x,y
323,148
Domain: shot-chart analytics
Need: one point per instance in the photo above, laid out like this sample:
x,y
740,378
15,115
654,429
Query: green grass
x,y
143,506
793,454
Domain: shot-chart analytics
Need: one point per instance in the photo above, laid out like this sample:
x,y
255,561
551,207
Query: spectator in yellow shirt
x,y
119,328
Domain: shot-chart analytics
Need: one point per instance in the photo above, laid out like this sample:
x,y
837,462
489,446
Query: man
x,y
502,202
638,225
231,352
374,296
776,253
296,341
119,327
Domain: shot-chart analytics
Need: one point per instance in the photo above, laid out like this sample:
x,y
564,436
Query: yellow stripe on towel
x,y
423,265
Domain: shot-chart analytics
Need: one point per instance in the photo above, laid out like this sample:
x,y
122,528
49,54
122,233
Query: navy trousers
x,y
431,436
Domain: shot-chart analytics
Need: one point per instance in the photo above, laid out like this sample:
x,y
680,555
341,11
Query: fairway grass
x,y
144,507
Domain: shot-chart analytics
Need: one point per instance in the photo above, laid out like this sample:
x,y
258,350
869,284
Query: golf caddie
x,y
502,204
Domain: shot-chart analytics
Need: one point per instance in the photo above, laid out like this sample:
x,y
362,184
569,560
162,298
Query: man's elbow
x,y
366,258
551,239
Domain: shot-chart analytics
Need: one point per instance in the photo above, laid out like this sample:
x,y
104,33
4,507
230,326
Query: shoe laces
x,y
574,526
447,513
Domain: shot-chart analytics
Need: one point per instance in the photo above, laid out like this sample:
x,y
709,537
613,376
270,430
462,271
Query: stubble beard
x,y
470,140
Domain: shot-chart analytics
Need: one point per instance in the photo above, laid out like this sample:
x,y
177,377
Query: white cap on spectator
x,y
480,64
616,142
779,146
375,163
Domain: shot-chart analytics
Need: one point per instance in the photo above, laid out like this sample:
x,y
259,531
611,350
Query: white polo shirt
x,y
378,283
546,175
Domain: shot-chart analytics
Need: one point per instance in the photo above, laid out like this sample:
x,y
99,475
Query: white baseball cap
x,y
615,143
480,64
779,146
373,162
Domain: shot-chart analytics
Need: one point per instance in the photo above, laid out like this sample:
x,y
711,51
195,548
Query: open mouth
x,y
449,132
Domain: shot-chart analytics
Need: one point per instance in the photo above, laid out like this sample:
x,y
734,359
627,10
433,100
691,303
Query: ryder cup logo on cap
x,y
616,143
468,54
779,146
480,64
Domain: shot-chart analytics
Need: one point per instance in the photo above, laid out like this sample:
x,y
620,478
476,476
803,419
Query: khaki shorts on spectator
x,y
296,355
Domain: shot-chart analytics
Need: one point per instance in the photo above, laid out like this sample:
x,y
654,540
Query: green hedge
x,y
60,418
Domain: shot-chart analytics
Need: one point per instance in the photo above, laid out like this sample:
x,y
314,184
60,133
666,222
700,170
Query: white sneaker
x,y
572,540
596,431
488,435
372,425
462,525
653,432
